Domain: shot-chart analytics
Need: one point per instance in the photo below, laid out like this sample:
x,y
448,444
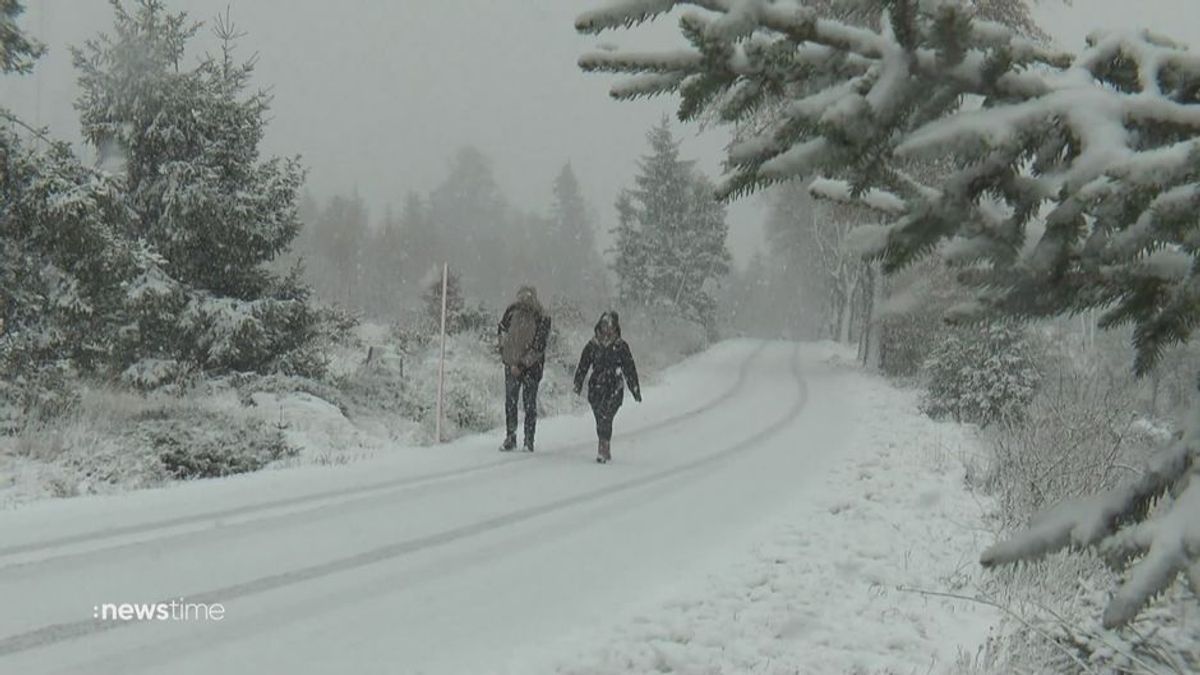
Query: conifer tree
x,y
670,235
576,269
471,220
1107,143
387,261
188,141
184,140
65,261
66,257
629,255
422,242
456,304
18,51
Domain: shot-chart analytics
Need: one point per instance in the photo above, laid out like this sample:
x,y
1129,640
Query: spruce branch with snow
x,y
18,51
66,257
1074,182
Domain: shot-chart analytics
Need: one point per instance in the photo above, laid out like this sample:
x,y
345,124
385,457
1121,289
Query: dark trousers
x,y
524,387
604,409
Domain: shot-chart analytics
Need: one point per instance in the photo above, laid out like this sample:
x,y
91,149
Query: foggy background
x,y
377,97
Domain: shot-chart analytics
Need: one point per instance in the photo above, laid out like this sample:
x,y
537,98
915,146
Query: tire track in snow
x,y
58,633
319,499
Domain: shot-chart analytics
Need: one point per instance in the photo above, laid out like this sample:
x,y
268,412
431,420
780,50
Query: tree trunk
x,y
870,348
849,289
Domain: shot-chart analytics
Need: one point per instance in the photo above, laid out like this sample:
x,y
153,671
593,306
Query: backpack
x,y
518,340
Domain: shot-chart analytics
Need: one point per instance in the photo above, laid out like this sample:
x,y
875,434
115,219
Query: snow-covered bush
x,y
37,394
377,392
248,384
113,439
209,445
981,374
1080,435
474,387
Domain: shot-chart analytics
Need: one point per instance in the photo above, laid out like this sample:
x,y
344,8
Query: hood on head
x,y
527,295
612,318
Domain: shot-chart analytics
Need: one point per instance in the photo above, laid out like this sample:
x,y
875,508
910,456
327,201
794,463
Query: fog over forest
x,y
600,336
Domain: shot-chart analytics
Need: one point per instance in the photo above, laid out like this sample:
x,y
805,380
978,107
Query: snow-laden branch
x,y
1170,543
622,14
647,85
1103,149
634,62
875,199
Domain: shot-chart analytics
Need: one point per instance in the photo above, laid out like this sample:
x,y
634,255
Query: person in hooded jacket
x,y
521,339
611,363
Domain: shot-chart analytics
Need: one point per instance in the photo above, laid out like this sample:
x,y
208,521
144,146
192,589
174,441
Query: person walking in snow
x,y
608,357
521,337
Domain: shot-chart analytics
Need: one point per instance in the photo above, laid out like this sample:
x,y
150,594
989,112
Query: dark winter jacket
x,y
533,359
610,362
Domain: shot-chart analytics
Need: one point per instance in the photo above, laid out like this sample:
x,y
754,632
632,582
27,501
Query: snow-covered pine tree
x,y
629,263
471,218
1106,144
705,258
577,269
341,236
422,241
185,142
459,315
18,51
65,252
65,259
387,262
670,235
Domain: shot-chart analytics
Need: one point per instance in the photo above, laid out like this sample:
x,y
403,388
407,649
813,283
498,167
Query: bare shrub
x,y
1081,434
1078,437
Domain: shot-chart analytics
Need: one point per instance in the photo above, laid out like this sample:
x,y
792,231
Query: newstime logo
x,y
175,610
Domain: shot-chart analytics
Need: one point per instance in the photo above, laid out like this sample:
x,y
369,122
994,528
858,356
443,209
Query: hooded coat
x,y
612,367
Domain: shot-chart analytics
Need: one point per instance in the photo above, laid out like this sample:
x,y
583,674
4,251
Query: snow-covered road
x,y
442,560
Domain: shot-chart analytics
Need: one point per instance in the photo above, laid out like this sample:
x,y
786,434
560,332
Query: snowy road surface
x,y
440,560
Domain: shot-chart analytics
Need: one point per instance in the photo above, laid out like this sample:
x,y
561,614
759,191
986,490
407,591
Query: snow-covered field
x,y
770,509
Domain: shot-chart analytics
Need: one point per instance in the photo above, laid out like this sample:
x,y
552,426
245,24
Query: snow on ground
x,y
767,504
841,583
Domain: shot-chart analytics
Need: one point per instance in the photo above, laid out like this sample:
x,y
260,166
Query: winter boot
x,y
510,442
605,452
528,444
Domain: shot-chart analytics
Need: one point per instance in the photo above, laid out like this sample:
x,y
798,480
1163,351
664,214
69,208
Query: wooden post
x,y
442,359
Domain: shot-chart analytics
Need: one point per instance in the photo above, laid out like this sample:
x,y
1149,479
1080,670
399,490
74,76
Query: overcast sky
x,y
377,94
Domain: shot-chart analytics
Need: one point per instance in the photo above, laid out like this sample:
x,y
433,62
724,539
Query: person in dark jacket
x,y
609,359
521,339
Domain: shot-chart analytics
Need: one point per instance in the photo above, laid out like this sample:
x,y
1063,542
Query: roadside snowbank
x,y
846,581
